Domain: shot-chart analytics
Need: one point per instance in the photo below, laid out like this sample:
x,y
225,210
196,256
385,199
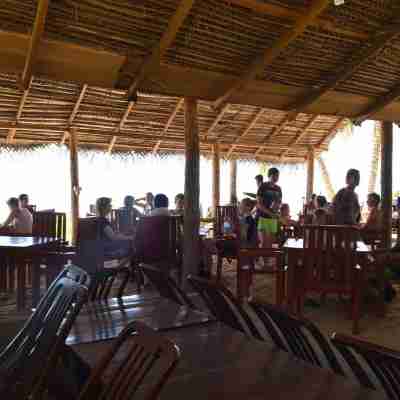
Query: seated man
x,y
179,205
161,204
129,216
370,230
20,220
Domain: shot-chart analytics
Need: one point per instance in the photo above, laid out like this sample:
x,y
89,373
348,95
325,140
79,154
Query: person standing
x,y
345,205
269,199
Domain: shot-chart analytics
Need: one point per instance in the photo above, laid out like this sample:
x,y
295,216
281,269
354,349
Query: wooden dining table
x,y
16,250
218,362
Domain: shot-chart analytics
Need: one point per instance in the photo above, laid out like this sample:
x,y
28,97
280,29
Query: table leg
x,y
35,268
21,286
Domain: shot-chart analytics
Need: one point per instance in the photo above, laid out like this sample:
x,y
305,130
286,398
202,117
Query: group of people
x,y
20,219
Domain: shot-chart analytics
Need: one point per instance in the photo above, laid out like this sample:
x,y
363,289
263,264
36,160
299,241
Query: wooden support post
x,y
216,178
386,181
233,181
191,244
310,174
75,189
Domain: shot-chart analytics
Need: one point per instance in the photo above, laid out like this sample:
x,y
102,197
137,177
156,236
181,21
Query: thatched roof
x,y
298,56
105,119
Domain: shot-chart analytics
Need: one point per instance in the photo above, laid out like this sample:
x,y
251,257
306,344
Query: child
x,y
248,229
285,218
20,220
373,222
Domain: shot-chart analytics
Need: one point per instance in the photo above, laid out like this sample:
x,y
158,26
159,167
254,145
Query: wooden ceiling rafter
x,y
74,112
373,48
158,51
251,125
171,118
37,32
332,132
120,125
299,136
217,120
270,54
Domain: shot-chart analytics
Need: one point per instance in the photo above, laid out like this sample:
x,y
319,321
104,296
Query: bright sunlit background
x,y
44,174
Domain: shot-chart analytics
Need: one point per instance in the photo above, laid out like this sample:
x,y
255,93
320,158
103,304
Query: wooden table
x,y
220,363
105,319
18,249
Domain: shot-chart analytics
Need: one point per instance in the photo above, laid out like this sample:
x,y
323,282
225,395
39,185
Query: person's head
x,y
285,210
245,206
161,201
103,206
23,200
321,201
353,178
273,175
129,201
13,203
259,180
373,200
180,201
149,198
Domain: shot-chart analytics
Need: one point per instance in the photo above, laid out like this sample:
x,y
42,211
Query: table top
x,y
217,362
293,243
106,319
25,242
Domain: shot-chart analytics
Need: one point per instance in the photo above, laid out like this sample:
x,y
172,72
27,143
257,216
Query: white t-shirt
x,y
160,212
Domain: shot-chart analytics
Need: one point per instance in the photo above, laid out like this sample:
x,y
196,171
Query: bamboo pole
x,y
233,181
375,156
216,178
75,189
326,178
386,181
310,174
191,245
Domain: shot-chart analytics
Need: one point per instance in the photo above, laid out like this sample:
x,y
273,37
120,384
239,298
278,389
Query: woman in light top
x,y
20,220
147,203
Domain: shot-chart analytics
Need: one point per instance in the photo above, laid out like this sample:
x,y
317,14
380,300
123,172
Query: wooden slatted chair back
x,y
297,336
124,220
374,366
166,286
224,306
145,361
40,340
225,214
50,224
329,258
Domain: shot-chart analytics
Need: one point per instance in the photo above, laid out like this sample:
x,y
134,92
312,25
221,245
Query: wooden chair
x,y
224,214
27,361
224,306
374,366
297,336
91,256
166,286
156,243
50,224
145,360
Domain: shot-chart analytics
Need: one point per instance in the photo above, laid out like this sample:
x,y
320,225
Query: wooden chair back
x,y
374,366
224,306
50,224
27,360
145,359
166,286
329,258
225,214
297,336
124,220
156,240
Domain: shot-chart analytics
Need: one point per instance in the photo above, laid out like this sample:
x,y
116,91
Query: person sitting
x,y
179,205
20,220
248,227
161,204
129,216
147,203
373,225
115,244
321,216
285,219
24,203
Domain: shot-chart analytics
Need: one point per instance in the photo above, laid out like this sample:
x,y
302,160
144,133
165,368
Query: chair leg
x,y
219,268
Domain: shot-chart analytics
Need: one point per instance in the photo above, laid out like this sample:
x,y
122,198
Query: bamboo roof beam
x,y
13,131
169,122
362,56
247,130
299,136
37,32
121,125
217,120
168,37
276,132
379,104
74,112
269,55
331,132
